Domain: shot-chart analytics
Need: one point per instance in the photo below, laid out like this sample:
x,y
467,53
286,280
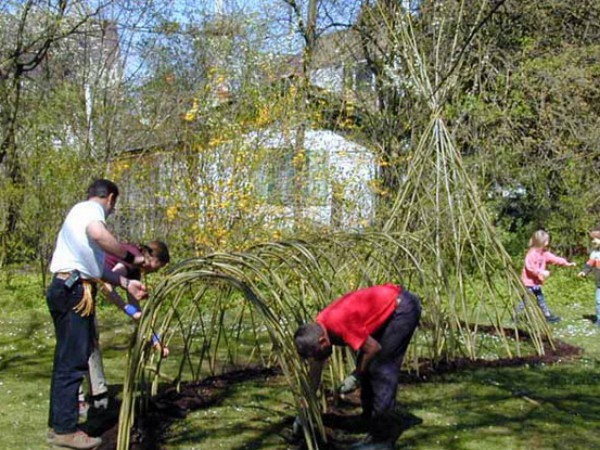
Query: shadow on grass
x,y
536,404
173,404
518,408
28,349
591,317
525,402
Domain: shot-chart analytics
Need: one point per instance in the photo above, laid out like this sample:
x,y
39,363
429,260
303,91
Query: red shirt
x,y
357,315
133,272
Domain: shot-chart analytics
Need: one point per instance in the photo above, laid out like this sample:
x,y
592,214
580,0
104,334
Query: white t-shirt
x,y
74,249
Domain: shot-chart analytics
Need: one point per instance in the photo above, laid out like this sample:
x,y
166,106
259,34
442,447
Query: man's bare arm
x,y
98,232
369,350
315,368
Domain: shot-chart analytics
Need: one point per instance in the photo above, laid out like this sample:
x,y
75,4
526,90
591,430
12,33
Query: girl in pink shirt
x,y
534,271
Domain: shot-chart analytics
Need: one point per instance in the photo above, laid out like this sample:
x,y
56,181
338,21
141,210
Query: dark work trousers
x,y
380,383
74,335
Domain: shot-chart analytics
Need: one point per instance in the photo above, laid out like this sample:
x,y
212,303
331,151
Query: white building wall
x,y
343,163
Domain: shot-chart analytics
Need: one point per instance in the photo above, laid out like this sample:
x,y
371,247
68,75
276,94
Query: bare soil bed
x,y
341,421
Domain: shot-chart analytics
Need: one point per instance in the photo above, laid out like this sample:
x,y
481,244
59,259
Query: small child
x,y
156,256
593,263
534,271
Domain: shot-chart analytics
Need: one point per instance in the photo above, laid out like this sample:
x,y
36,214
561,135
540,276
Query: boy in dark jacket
x,y
593,264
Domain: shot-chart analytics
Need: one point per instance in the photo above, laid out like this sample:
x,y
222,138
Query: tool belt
x,y
62,275
86,305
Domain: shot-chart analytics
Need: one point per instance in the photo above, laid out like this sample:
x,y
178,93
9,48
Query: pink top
x,y
535,263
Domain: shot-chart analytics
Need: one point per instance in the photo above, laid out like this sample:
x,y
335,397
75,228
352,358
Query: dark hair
x,y
102,188
159,250
307,338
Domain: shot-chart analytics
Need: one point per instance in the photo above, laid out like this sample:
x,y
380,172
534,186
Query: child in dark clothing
x,y
593,264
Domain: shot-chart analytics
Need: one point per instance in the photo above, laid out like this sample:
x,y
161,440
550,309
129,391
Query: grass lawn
x,y
535,407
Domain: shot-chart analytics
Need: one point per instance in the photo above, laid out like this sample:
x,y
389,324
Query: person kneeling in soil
x,y
378,322
155,256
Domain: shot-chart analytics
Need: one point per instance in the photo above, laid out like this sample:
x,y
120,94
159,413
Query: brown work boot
x,y
78,440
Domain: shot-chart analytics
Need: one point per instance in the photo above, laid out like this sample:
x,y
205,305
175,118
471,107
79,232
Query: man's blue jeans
x,y
74,335
380,384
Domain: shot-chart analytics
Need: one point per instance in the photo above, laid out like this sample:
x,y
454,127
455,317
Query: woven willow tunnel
x,y
228,309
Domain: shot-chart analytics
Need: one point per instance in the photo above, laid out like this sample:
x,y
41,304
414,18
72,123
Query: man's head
x,y
312,341
106,192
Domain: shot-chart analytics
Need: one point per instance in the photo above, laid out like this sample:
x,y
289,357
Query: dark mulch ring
x,y
552,354
341,421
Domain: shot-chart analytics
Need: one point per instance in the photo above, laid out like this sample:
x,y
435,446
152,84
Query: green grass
x,y
541,407
512,408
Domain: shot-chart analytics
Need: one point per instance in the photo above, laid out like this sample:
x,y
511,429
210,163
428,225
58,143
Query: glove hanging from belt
x,y
86,305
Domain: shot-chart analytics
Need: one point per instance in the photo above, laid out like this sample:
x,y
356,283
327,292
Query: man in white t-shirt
x,y
77,263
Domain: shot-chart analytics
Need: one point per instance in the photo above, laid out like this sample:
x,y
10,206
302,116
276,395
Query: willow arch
x,y
211,307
